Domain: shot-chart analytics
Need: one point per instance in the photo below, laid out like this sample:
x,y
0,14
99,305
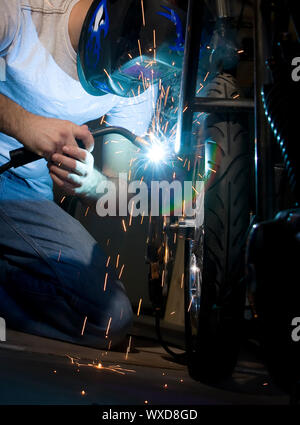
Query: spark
x,y
99,366
107,242
163,278
83,327
107,74
139,307
143,81
143,13
166,127
185,109
140,49
182,281
205,78
167,94
62,199
154,45
117,262
236,96
166,256
108,261
142,217
201,87
191,302
120,86
128,348
86,212
83,392
240,51
124,225
122,268
108,326
131,212
105,282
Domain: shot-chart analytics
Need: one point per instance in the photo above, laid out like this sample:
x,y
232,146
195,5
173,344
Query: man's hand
x,y
73,171
46,136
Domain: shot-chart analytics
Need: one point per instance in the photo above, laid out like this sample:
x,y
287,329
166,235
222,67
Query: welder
x,y
63,64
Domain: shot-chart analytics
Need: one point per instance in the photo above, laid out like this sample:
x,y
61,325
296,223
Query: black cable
x,y
5,167
23,156
180,358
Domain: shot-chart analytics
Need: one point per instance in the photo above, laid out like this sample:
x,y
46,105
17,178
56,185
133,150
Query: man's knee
x,y
121,317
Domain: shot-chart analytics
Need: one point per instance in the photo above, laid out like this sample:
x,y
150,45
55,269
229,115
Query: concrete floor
x,y
35,371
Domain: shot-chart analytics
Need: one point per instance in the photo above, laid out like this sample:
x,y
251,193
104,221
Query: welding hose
x,y
23,156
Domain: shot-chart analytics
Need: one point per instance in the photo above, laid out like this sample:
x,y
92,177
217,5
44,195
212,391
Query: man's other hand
x,y
73,171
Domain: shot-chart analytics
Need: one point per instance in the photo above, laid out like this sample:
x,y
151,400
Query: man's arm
x,y
44,136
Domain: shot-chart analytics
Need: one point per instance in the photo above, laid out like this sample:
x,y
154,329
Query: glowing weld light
x,y
156,154
157,151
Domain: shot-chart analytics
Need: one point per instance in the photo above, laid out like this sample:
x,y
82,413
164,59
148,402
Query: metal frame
x,y
189,104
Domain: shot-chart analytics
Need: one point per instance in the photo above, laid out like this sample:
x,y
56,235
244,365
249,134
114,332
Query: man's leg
x,y
56,281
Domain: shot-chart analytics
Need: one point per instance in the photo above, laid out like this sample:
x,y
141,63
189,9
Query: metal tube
x,y
189,75
223,9
222,105
263,145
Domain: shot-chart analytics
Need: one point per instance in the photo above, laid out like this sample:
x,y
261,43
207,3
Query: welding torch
x,y
23,156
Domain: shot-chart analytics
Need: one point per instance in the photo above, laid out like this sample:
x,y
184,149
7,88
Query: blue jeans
x,y
55,281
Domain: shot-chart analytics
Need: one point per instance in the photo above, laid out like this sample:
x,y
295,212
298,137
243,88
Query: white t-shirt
x,y
41,76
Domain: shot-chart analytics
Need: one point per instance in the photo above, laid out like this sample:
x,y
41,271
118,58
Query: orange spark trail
x,y
83,327
122,268
143,13
108,326
139,307
105,282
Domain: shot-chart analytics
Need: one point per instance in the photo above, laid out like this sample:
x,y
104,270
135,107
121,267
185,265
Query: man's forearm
x,y
13,118
42,135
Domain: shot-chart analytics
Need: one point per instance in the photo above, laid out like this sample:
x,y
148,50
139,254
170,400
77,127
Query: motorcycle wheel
x,y
214,265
